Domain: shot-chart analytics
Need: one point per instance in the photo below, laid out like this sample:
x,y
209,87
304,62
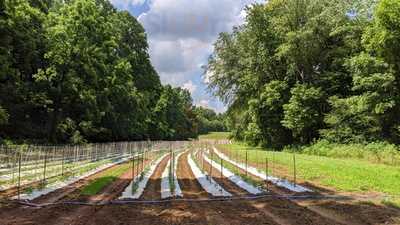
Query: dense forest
x,y
299,71
74,71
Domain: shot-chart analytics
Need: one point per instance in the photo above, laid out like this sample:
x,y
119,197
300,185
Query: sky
x,y
181,34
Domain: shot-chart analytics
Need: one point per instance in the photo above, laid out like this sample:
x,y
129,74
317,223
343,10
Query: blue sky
x,y
181,34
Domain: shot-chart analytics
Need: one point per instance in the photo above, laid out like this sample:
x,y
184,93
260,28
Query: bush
x,y
377,152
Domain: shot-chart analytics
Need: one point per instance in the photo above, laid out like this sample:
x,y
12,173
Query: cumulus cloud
x,y
202,19
204,103
125,4
181,34
190,86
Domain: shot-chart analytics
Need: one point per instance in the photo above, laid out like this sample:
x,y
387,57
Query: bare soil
x,y
269,210
221,179
153,187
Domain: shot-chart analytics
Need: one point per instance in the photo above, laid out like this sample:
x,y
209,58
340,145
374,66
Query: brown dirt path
x,y
60,214
223,181
270,187
222,213
191,188
153,187
354,212
279,171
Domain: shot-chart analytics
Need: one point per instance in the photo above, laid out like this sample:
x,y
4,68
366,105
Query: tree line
x,y
302,70
75,71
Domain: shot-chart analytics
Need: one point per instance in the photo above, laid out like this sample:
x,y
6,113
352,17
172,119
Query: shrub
x,y
377,152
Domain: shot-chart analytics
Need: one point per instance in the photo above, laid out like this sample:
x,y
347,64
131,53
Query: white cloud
x,y
181,34
190,86
204,103
218,107
125,4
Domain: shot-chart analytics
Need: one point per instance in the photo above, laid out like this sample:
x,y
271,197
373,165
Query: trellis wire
x,y
23,167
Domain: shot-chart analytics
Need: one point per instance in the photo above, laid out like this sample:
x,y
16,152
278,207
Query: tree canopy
x,y
300,70
79,70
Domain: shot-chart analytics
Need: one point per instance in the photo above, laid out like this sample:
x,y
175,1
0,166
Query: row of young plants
x,y
78,170
199,158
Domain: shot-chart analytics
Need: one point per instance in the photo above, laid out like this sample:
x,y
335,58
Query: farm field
x,y
214,136
199,112
214,191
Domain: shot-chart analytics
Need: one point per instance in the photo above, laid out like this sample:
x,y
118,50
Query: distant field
x,y
340,174
215,135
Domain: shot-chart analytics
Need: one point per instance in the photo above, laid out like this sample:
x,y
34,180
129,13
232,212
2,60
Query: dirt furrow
x,y
221,180
153,187
191,188
223,213
341,219
78,214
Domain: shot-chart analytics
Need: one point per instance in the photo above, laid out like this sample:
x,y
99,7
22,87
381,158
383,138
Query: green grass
x,y
392,202
340,174
107,177
376,152
215,136
171,178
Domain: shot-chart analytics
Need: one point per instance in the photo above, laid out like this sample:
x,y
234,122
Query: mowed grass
x,y
340,174
215,136
106,178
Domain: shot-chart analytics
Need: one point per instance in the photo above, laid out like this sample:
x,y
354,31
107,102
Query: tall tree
x,y
278,71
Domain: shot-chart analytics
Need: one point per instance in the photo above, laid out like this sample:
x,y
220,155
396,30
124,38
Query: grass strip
x,y
340,174
215,136
107,177
171,179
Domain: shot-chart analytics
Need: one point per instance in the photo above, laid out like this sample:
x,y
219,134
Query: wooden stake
x,y
19,174
222,169
246,162
294,168
266,171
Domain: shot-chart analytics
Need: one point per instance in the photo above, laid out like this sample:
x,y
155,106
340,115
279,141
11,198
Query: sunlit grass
x,y
215,136
392,202
340,174
106,178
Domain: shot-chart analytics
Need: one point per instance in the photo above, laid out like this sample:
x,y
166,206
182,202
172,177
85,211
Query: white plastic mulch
x,y
142,184
178,191
234,178
277,181
61,184
208,184
165,187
